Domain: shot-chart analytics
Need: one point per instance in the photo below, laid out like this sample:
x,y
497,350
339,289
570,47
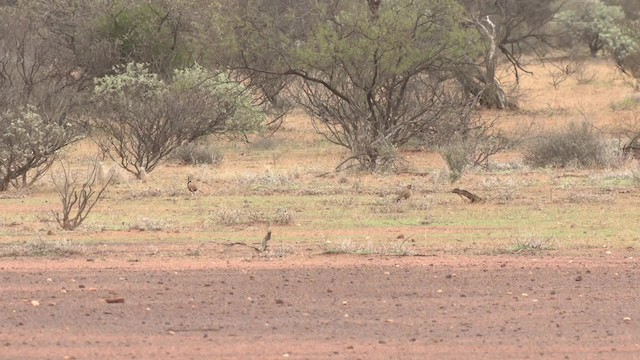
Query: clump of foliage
x,y
371,77
456,159
578,144
196,153
148,32
28,143
40,95
142,118
600,27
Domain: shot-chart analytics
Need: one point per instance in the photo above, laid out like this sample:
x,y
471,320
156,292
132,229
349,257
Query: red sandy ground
x,y
322,306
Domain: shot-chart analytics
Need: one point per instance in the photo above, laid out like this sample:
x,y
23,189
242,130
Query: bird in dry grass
x,y
404,194
191,186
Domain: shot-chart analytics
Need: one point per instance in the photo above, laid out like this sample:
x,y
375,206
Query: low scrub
x,y
33,248
196,154
577,145
350,247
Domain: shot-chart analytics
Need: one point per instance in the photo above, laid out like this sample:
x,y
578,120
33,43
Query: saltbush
x,y
578,144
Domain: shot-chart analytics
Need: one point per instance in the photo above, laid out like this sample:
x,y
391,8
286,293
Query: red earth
x,y
543,305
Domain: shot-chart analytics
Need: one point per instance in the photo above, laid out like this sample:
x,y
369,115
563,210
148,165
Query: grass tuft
x,y
531,244
42,248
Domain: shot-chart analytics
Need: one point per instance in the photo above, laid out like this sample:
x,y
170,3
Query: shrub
x,y
578,144
143,118
28,143
146,32
455,157
77,198
194,154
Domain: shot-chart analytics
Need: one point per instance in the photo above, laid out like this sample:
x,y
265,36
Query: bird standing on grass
x,y
191,186
404,194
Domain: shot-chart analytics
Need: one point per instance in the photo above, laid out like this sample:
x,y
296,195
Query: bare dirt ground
x,y
314,306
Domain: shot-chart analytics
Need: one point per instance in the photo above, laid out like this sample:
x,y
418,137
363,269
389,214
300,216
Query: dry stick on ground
x,y
465,194
82,199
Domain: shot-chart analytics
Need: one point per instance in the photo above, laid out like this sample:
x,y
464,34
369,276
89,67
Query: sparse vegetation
x,y
233,217
351,247
148,224
628,103
283,217
28,144
44,248
285,176
78,199
455,156
142,118
369,84
197,154
531,243
577,145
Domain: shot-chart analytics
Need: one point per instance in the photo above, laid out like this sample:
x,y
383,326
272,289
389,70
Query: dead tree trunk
x,y
480,81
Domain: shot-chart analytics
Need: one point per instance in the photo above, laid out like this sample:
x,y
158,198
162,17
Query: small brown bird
x,y
191,186
404,194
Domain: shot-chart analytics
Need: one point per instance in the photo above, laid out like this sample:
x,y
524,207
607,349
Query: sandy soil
x,y
322,306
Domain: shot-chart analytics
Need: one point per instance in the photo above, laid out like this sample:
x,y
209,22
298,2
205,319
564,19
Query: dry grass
x,y
42,248
350,247
277,181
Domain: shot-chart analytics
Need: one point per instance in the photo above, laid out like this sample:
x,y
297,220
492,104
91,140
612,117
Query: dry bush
x,y
77,199
229,217
560,72
147,224
233,217
472,141
283,217
531,243
574,66
348,246
266,143
628,103
455,156
577,145
196,154
268,180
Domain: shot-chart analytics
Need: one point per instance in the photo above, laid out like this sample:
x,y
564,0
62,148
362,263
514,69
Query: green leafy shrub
x,y
142,118
28,143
